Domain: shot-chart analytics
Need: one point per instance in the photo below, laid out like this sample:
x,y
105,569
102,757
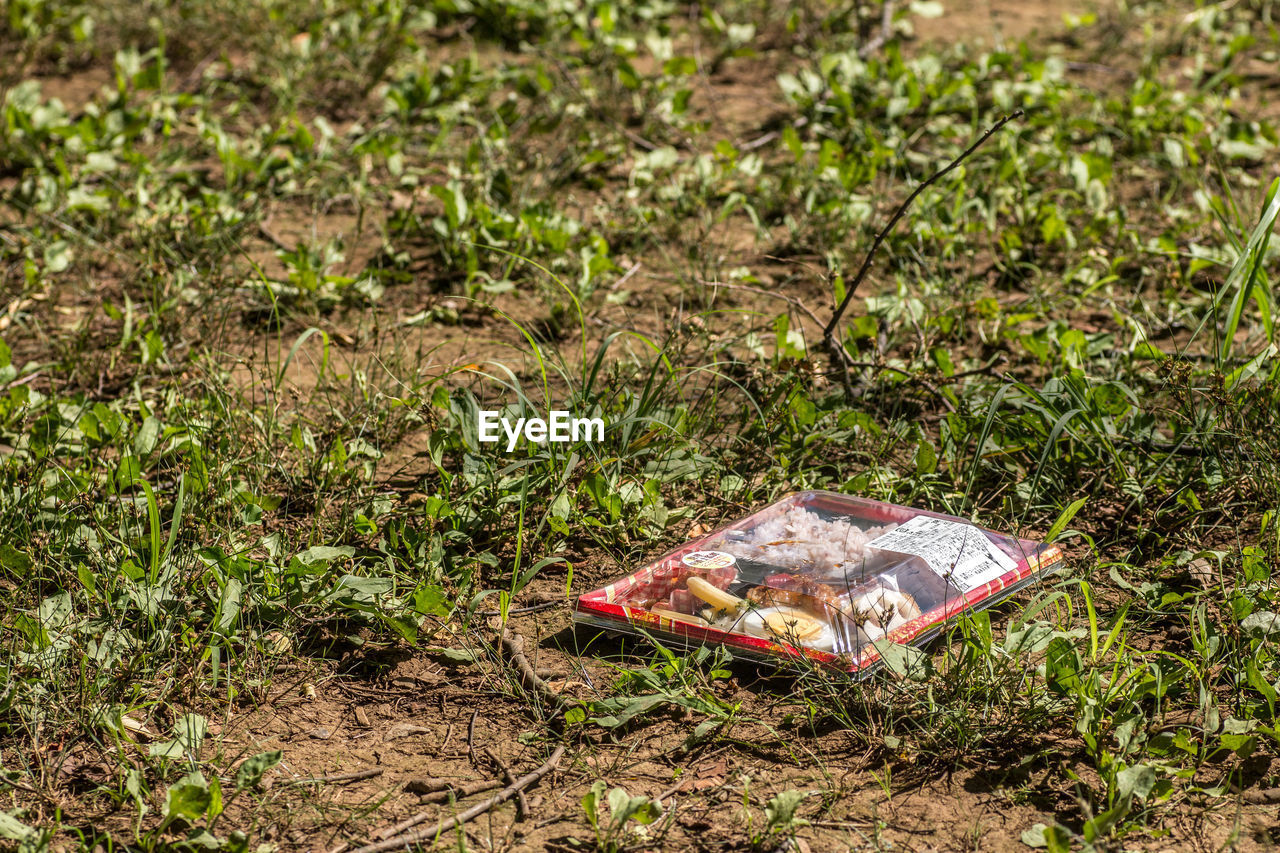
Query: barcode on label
x,y
956,551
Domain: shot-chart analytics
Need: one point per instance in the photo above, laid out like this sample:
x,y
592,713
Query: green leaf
x,y
1262,623
1057,839
13,829
455,655
229,605
1064,519
455,203
1241,745
1034,837
406,627
145,441
780,812
1244,274
362,590
906,661
1252,367
188,735
701,732
432,601
215,798
623,808
627,708
680,66
326,554
1062,666
136,788
187,800
30,839
1260,684
128,472
1102,825
591,803
249,774
57,256
55,611
203,839
927,8
1136,781
926,457
12,558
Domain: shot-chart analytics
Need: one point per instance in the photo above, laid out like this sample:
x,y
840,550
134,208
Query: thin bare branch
x,y
882,37
790,300
529,678
410,839
835,350
334,778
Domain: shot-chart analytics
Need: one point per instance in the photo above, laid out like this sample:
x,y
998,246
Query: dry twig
x,y
440,795
471,736
529,678
333,778
1262,797
410,839
835,348
532,608
509,778
790,300
882,37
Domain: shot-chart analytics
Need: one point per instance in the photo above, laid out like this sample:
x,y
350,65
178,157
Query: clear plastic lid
x,y
820,575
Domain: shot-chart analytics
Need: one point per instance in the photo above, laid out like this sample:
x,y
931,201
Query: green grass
x,y
237,416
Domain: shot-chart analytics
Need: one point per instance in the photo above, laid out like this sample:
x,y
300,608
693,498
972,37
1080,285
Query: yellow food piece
x,y
713,595
792,624
679,617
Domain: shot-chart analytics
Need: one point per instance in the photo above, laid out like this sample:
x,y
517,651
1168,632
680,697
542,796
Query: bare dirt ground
x,y
420,718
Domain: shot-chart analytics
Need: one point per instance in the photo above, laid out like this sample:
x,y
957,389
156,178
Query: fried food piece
x,y
793,591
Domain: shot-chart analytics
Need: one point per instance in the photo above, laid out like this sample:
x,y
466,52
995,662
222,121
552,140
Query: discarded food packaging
x,y
820,576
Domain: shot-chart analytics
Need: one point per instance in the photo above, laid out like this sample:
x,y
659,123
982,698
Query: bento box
x,y
821,577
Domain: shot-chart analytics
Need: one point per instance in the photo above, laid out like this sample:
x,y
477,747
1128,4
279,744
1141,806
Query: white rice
x,y
800,539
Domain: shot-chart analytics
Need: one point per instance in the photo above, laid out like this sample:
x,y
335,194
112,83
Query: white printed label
x,y
957,551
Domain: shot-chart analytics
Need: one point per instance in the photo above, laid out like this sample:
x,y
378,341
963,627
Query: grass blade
x,y
1245,273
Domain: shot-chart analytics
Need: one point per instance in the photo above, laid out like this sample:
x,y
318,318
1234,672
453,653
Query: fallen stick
x,y
435,791
886,32
439,796
544,605
471,736
353,776
430,785
509,778
529,678
448,736
425,835
1262,797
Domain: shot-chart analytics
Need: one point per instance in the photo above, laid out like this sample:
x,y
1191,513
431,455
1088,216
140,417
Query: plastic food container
x,y
820,576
